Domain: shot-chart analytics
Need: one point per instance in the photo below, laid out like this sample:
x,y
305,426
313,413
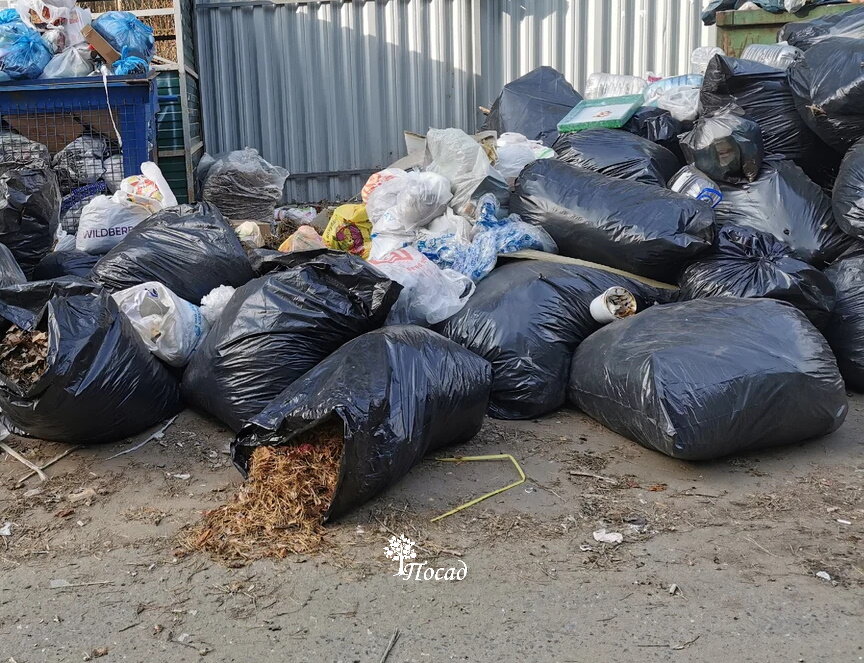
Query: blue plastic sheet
x,y
129,64
126,34
23,54
493,236
9,16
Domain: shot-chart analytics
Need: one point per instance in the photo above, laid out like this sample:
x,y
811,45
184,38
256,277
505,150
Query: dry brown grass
x,y
24,356
281,507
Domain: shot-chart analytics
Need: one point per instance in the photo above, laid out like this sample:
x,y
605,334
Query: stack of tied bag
x,y
707,197
692,216
58,39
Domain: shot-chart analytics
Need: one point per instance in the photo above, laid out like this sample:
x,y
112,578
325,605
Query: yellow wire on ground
x,y
460,459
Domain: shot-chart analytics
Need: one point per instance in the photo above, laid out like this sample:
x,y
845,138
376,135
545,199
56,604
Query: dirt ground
x,y
718,560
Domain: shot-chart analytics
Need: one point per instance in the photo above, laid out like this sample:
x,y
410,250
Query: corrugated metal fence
x,y
326,88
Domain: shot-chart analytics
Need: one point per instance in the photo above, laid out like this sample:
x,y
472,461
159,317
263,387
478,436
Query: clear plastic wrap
x,y
244,186
779,56
601,86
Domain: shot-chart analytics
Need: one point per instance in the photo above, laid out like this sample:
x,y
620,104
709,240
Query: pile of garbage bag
x,y
50,40
278,326
434,297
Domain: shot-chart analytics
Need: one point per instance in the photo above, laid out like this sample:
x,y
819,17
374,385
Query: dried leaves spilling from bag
x,y
280,508
23,356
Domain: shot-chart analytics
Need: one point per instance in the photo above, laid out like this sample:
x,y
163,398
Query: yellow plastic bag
x,y
303,239
349,230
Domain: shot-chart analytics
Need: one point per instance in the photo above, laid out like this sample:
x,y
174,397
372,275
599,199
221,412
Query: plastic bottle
x,y
694,183
701,56
773,55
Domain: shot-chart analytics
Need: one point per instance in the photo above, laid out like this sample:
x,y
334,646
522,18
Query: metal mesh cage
x,y
90,144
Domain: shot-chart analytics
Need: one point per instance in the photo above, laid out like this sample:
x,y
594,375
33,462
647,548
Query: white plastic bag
x,y
682,103
71,63
411,199
515,152
250,234
450,223
430,295
388,235
105,221
149,189
462,160
214,302
170,327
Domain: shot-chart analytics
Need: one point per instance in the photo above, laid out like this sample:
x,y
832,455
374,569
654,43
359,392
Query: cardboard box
x,y
99,44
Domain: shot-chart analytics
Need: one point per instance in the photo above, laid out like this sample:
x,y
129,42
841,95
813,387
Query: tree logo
x,y
400,549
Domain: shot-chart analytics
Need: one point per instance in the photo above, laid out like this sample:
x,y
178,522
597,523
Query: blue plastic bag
x,y
126,34
130,64
9,16
493,236
23,54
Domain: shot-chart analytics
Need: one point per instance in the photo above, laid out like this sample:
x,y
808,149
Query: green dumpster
x,y
736,30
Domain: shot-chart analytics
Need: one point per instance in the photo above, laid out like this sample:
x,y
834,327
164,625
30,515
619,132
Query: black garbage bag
x,y
242,185
632,226
618,154
65,263
533,105
848,193
190,249
10,271
17,151
101,383
747,263
804,34
779,6
658,126
264,261
763,93
708,378
81,162
526,318
400,391
724,145
785,203
845,331
709,15
278,326
828,84
29,214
